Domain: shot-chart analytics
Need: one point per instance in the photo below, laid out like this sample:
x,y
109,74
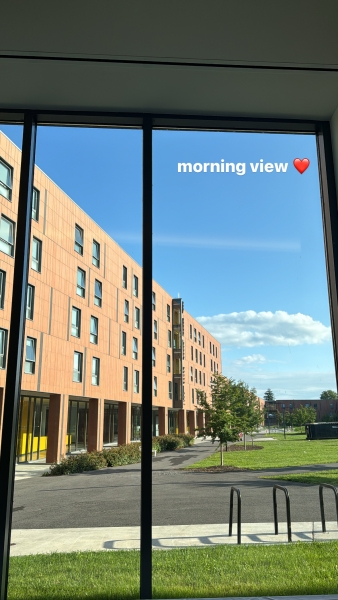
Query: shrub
x,y
122,455
78,463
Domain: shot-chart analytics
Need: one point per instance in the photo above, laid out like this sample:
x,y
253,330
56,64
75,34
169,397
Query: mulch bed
x,y
218,468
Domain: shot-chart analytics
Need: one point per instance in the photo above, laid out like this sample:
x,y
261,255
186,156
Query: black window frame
x,y
36,210
30,287
96,259
77,311
3,361
135,286
29,361
82,293
80,371
39,259
124,277
94,337
5,185
98,296
96,361
79,246
9,244
2,288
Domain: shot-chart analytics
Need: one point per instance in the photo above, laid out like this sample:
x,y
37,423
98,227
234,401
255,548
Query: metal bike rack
x,y
321,501
239,513
288,512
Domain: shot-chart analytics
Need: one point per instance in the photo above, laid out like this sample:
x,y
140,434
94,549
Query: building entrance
x,y
110,424
33,425
172,421
77,430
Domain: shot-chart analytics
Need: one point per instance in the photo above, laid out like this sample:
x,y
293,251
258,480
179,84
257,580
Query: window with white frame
x,y
155,386
78,242
6,180
153,355
95,371
76,322
7,228
155,330
168,363
36,254
126,311
81,283
98,293
124,343
94,330
30,356
136,382
125,379
35,204
137,318
96,254
3,347
135,348
77,367
124,277
135,286
2,288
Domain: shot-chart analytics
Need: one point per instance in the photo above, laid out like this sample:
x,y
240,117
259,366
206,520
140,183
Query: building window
x,y
195,338
3,348
81,283
77,367
168,313
202,341
95,371
135,348
200,377
200,358
135,286
30,355
7,236
211,364
314,406
190,328
170,390
124,344
6,179
2,288
213,349
124,277
78,243
154,301
215,370
155,330
36,255
154,357
137,318
204,379
30,302
192,353
35,204
98,293
210,348
155,386
195,375
76,322
126,311
204,360
125,379
168,363
196,355
96,254
216,351
94,330
169,338
193,396
191,374
136,382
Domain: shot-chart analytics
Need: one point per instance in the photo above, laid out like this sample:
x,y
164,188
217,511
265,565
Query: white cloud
x,y
248,329
252,359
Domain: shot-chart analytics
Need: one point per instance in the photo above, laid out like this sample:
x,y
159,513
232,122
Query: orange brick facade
x,y
107,405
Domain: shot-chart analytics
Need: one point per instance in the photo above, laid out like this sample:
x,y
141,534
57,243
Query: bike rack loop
x,y
288,512
239,513
321,501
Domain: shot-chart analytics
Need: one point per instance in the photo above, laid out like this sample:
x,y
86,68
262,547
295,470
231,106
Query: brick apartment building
x,y
81,379
325,409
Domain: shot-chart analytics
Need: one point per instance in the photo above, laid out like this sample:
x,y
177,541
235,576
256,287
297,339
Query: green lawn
x,y
294,451
294,569
329,476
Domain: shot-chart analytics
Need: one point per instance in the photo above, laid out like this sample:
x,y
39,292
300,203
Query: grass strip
x,y
315,478
294,451
294,569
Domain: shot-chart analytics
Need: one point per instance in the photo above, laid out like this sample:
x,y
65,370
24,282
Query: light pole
x,y
283,409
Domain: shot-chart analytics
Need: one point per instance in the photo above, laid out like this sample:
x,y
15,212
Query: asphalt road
x,y
111,497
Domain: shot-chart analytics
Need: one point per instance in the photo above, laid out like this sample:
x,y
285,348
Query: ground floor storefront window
x,y
110,423
155,423
135,423
33,425
77,430
172,421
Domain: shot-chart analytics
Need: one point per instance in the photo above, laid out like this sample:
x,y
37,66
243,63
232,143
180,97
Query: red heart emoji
x,y
301,165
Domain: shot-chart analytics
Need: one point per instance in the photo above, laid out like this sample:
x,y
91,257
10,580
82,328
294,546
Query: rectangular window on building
x,y
195,375
81,283
213,349
191,374
135,348
199,338
137,318
204,379
95,371
7,228
203,360
135,286
126,311
193,395
202,341
154,357
196,355
125,379
136,382
211,364
3,347
215,370
155,386
2,288
200,377
195,338
36,255
168,363
154,301
169,338
200,358
216,351
155,330
190,331
124,277
77,367
98,293
6,180
35,204
78,242
124,343
76,322
168,313
30,355
192,353
94,330
170,390
210,348
96,254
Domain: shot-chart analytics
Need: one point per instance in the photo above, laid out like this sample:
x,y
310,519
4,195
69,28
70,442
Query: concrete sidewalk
x,y
44,541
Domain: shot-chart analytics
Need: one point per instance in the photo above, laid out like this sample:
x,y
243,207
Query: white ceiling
x,y
226,40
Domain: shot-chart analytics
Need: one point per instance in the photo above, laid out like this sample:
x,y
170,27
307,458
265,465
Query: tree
x,y
328,395
247,409
221,422
304,415
269,396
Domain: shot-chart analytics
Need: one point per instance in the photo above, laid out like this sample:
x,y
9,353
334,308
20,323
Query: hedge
x,y
117,455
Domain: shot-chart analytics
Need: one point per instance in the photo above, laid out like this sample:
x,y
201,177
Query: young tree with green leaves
x,y
303,415
269,396
247,409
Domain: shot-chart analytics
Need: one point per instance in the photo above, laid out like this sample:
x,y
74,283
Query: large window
x,y
77,367
6,180
36,254
7,229
30,355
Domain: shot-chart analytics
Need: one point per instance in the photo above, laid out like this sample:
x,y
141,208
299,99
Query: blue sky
x,y
245,252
